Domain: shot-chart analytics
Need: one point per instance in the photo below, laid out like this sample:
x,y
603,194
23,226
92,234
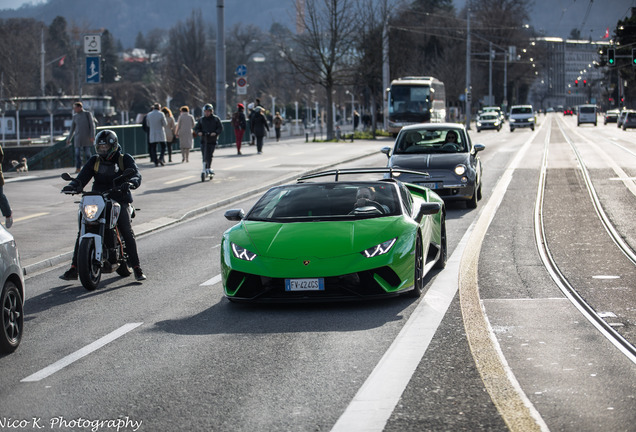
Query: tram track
x,y
549,261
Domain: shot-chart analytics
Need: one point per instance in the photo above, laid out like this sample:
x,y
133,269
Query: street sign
x,y
241,85
92,69
241,70
92,44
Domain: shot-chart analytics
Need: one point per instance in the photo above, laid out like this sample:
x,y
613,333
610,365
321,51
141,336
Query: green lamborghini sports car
x,y
334,240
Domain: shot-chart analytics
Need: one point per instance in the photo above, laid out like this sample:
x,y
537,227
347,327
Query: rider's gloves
x,y
69,188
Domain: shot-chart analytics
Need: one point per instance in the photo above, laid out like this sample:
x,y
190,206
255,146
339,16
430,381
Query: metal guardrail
x,y
132,138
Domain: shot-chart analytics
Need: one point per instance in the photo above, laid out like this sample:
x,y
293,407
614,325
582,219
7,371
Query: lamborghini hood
x,y
318,239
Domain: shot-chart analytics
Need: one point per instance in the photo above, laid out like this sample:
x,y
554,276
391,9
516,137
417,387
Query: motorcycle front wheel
x,y
89,270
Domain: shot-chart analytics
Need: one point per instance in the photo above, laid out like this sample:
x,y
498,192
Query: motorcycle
x,y
101,247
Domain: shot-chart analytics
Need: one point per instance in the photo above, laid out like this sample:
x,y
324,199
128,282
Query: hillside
x,y
125,18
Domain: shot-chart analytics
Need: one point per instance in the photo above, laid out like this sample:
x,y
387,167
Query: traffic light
x,y
576,82
611,56
633,56
584,83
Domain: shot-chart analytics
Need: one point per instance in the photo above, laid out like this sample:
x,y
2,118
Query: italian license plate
x,y
429,185
315,284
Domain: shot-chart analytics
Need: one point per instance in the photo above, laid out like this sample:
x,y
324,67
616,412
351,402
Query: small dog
x,y
20,166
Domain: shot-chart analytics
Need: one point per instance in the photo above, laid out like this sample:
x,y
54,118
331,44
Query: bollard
x,y
306,136
351,137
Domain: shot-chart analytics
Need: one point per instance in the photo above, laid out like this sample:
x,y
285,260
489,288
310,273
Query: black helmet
x,y
106,143
207,107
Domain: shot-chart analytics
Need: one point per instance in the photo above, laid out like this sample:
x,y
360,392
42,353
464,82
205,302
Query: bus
x,y
416,100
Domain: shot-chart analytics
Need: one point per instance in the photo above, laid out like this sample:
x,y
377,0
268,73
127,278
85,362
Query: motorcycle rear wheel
x,y
89,270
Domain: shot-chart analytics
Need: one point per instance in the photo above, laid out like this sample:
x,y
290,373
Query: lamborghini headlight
x,y
90,211
460,169
380,249
242,253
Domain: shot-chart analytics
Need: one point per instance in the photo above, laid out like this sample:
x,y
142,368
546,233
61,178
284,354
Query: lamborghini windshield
x,y
326,201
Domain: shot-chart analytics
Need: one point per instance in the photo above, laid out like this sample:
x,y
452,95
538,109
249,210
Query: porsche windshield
x,y
326,201
430,141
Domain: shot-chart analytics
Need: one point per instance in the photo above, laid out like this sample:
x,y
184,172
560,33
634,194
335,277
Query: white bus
x,y
416,100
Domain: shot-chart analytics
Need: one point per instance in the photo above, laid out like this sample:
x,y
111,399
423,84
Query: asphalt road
x,y
173,354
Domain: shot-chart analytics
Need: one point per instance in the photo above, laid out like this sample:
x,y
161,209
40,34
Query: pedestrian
x,y
259,126
103,168
278,122
356,119
156,121
169,128
82,133
239,123
4,202
184,132
251,115
208,127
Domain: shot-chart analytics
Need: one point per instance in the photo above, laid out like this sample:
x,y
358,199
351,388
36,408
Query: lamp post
x,y
352,103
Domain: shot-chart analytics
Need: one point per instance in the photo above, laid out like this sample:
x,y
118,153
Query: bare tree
x,y
323,53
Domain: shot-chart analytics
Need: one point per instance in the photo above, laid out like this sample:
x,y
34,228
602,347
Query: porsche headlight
x,y
242,253
380,249
90,211
460,170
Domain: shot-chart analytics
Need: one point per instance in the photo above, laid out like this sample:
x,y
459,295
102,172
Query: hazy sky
x,y
14,4
549,17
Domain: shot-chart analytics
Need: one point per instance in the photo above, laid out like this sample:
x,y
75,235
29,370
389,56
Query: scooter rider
x,y
104,167
209,127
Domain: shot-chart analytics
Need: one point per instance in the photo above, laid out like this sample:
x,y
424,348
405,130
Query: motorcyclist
x,y
209,128
104,167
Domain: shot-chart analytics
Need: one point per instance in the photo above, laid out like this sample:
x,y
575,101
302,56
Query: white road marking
x,y
216,279
374,403
31,216
62,363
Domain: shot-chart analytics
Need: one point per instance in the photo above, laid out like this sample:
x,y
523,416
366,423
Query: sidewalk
x,y
168,194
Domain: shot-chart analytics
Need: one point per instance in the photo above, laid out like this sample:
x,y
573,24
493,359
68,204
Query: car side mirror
x,y
479,147
386,151
235,215
428,208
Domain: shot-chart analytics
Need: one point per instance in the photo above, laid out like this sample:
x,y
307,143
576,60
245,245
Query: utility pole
x,y
42,52
468,92
220,60
386,78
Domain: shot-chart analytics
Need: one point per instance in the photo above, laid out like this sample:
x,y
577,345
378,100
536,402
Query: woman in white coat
x,y
184,133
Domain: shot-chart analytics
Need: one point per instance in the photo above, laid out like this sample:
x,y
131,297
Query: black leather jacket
x,y
105,172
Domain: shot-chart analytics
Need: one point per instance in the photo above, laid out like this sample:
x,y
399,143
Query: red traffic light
x,y
584,83
576,83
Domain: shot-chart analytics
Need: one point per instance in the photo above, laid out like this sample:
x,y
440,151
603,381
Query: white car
x,y
521,116
586,114
12,297
488,120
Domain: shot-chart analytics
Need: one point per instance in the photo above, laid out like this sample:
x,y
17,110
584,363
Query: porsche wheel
x,y
89,270
418,281
12,318
472,202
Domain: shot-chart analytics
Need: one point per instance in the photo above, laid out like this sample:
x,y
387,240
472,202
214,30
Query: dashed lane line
x,y
83,352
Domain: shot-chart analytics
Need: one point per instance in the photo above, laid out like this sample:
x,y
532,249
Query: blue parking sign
x,y
92,69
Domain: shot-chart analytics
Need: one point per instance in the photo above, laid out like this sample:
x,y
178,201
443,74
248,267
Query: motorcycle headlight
x,y
460,170
90,211
242,253
380,249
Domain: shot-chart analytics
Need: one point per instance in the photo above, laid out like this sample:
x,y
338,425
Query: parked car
x,y
488,120
630,121
452,163
334,239
586,114
12,296
611,116
521,116
621,117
